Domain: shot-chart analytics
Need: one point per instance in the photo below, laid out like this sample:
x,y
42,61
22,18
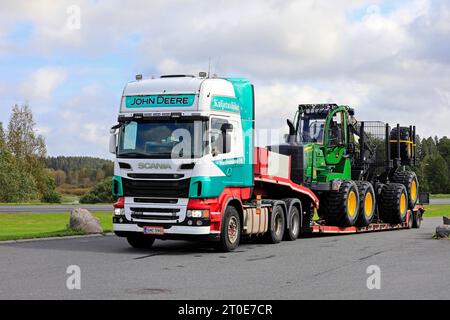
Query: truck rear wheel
x,y
366,203
291,234
276,225
231,230
409,180
140,241
341,208
393,203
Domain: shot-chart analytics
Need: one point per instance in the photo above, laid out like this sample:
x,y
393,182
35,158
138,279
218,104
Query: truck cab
x,y
184,149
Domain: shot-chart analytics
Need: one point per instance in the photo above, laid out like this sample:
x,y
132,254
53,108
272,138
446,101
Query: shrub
x,y
100,193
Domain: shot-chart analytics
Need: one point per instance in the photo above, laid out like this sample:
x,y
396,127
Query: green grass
x,y
40,225
437,210
440,196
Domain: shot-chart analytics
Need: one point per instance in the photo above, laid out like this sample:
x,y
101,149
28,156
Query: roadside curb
x,y
57,238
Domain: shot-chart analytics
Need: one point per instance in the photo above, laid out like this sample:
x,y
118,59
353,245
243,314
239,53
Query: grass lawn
x,y
39,225
437,210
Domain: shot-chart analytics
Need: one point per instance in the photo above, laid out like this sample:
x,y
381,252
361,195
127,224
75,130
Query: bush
x,y
100,193
52,196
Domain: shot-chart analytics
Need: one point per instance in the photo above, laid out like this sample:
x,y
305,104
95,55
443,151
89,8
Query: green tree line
x,y
433,164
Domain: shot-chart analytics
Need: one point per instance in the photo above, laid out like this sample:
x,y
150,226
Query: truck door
x,y
229,157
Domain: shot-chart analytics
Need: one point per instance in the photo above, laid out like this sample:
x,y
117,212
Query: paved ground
x,y
54,208
413,266
439,201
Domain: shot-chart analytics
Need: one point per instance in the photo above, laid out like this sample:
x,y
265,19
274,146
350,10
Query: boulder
x,y
82,219
443,231
446,220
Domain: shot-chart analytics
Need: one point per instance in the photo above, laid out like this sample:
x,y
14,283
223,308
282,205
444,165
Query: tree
x,y
22,141
436,173
2,137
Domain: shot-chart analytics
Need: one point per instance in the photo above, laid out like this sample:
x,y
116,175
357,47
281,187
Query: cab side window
x,y
218,136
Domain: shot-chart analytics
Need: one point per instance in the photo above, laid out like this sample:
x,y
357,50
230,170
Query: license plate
x,y
153,230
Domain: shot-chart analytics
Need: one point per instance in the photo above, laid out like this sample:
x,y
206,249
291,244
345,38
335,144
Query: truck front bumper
x,y
173,232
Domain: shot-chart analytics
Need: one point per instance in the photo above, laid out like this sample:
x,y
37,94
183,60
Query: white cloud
x,y
43,82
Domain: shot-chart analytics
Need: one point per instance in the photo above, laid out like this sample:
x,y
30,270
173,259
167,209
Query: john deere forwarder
x,y
357,169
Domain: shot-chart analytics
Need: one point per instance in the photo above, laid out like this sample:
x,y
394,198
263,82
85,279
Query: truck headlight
x,y
119,211
197,213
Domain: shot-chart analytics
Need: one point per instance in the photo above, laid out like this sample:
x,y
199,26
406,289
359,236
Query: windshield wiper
x,y
133,154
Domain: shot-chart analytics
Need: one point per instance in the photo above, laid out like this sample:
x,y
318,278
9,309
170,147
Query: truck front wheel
x,y
140,241
231,230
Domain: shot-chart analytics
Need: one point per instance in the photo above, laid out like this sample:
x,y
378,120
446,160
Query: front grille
x,y
147,200
161,210
156,175
156,188
153,217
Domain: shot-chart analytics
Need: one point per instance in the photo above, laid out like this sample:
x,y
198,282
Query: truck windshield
x,y
171,139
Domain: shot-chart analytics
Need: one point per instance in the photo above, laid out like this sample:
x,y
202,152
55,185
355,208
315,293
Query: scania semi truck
x,y
187,167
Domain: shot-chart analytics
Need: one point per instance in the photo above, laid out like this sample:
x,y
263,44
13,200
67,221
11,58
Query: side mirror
x,y
112,143
113,138
226,141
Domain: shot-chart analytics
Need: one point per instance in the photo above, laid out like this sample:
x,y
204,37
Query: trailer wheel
x,y
341,208
231,230
277,225
140,241
291,234
409,180
417,219
367,203
393,203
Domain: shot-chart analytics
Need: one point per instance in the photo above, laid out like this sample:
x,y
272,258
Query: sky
x,y
69,60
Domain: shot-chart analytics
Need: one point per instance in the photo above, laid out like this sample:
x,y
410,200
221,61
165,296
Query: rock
x,y
446,220
82,219
443,231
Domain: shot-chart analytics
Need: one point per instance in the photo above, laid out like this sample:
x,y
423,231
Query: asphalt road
x,y
413,266
54,208
439,201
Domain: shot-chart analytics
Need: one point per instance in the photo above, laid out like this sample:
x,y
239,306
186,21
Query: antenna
x,y
209,67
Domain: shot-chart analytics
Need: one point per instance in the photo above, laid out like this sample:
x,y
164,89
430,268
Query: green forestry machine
x,y
358,170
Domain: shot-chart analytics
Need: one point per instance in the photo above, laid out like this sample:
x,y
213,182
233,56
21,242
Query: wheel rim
x,y
403,204
278,225
413,190
351,204
294,224
368,204
232,230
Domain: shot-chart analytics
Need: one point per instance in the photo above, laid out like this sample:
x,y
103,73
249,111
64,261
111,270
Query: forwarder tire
x,y
409,180
367,203
231,231
393,203
140,241
291,234
341,208
276,225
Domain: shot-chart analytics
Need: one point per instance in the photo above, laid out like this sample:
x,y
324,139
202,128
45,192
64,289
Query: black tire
x,y
140,241
341,208
393,203
367,203
230,234
277,224
417,219
292,233
410,181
